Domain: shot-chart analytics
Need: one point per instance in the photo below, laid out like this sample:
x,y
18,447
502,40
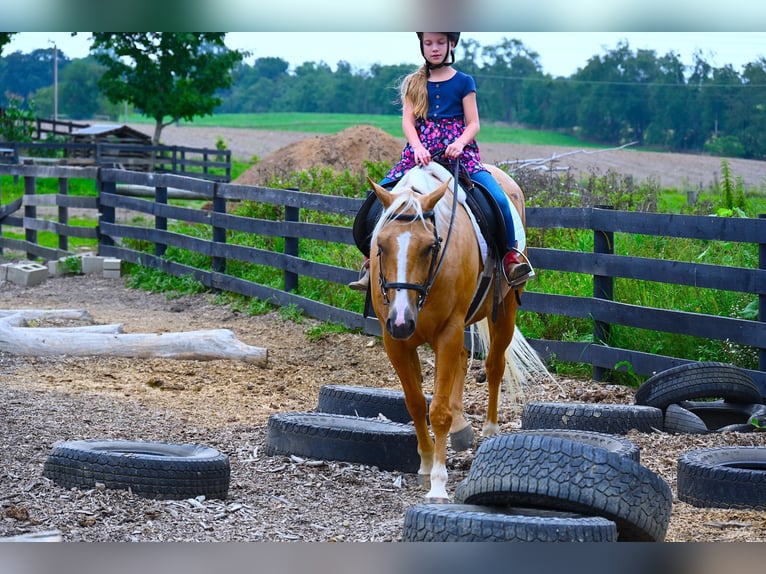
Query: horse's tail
x,y
521,360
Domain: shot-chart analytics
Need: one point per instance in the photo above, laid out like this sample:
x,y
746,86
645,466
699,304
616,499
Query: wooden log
x,y
45,536
21,315
202,345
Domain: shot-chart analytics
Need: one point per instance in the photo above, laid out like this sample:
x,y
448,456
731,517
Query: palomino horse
x,y
425,263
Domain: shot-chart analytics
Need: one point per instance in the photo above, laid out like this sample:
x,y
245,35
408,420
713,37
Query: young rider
x,y
440,115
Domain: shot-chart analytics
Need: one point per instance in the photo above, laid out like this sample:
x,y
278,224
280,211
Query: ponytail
x,y
414,91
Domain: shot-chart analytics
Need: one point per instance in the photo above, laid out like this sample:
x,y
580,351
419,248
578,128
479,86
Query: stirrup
x,y
527,271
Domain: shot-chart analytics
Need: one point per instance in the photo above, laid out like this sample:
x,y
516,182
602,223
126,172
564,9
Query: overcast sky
x,y
561,53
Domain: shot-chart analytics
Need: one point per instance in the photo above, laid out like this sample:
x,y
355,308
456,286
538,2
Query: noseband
x,y
436,262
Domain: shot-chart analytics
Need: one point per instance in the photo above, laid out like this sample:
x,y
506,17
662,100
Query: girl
x,y
440,115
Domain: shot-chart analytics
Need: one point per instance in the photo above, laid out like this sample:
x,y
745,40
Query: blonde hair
x,y
414,91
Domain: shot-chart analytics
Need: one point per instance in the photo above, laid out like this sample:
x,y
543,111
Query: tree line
x,y
617,97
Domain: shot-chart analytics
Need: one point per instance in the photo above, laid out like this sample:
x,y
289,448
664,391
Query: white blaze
x,y
401,302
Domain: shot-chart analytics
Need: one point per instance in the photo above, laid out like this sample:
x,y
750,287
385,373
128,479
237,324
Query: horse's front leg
x,y
448,346
407,366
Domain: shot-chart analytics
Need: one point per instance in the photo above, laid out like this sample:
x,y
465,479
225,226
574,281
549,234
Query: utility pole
x,y
55,81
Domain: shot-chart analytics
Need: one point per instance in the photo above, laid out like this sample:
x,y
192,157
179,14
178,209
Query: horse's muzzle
x,y
401,329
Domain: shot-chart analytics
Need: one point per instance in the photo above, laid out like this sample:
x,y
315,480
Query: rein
x,y
424,288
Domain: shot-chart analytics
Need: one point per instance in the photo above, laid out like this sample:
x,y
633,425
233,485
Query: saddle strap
x,y
482,288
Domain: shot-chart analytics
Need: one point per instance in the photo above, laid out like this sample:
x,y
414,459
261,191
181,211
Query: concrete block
x,y
92,264
4,271
27,274
112,267
111,264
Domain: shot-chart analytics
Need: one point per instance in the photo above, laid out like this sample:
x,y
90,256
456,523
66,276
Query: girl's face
x,y
436,47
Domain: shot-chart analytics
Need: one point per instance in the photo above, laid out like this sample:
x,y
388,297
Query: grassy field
x,y
333,123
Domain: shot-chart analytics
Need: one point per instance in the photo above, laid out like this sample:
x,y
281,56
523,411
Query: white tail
x,y
521,360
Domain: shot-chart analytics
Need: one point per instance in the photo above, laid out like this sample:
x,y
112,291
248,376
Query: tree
x,y
24,74
167,75
5,38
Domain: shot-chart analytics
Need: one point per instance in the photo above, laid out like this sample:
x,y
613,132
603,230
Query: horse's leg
x,y
449,345
501,334
406,363
460,433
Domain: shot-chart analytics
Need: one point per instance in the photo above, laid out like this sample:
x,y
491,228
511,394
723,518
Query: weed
x,y
291,313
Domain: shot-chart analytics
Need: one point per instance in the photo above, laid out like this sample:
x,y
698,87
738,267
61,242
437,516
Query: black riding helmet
x,y
452,37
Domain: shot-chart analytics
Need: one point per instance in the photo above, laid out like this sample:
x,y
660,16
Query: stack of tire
x,y
712,397
550,485
705,397
360,425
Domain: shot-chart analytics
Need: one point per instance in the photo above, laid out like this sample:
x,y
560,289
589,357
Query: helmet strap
x,y
444,62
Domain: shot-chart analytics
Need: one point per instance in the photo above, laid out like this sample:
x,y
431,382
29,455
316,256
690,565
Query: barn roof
x,y
120,131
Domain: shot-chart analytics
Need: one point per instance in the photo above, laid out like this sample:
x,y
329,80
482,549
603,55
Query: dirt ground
x,y
226,405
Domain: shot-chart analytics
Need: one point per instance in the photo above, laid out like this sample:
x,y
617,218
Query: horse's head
x,y
406,247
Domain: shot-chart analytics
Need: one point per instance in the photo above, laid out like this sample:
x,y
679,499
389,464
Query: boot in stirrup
x,y
516,271
363,282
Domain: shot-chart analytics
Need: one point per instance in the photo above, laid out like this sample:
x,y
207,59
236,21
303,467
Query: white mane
x,y
421,180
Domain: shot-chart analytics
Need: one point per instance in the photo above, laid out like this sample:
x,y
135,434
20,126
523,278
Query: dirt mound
x,y
348,149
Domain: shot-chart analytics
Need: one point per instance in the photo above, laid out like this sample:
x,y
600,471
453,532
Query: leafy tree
x,y
167,75
5,38
16,122
24,74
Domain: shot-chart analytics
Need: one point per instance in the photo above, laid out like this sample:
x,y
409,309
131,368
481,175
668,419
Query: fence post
x,y
30,211
603,288
63,214
218,264
160,223
106,213
762,299
291,245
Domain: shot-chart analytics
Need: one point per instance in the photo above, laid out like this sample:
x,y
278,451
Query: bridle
x,y
424,288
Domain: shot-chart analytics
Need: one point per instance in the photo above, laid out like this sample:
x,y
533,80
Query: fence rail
x,y
204,163
602,264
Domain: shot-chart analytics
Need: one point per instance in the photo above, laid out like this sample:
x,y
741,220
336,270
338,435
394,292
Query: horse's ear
x,y
430,200
383,194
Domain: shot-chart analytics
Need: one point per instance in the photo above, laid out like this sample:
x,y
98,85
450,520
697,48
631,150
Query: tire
x,y
718,414
149,469
472,523
698,381
374,442
679,420
598,417
554,473
364,402
616,444
723,477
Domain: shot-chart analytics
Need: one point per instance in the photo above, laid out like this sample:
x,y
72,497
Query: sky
x,y
561,53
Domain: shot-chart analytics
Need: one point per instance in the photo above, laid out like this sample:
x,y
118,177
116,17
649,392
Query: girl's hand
x,y
454,150
422,156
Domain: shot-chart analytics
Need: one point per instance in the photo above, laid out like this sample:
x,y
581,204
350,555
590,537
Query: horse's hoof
x,y
462,439
424,481
436,500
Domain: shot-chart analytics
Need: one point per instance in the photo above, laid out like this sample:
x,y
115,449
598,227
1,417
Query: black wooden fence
x,y
203,163
603,265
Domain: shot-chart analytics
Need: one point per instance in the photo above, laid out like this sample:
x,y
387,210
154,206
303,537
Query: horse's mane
x,y
419,180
